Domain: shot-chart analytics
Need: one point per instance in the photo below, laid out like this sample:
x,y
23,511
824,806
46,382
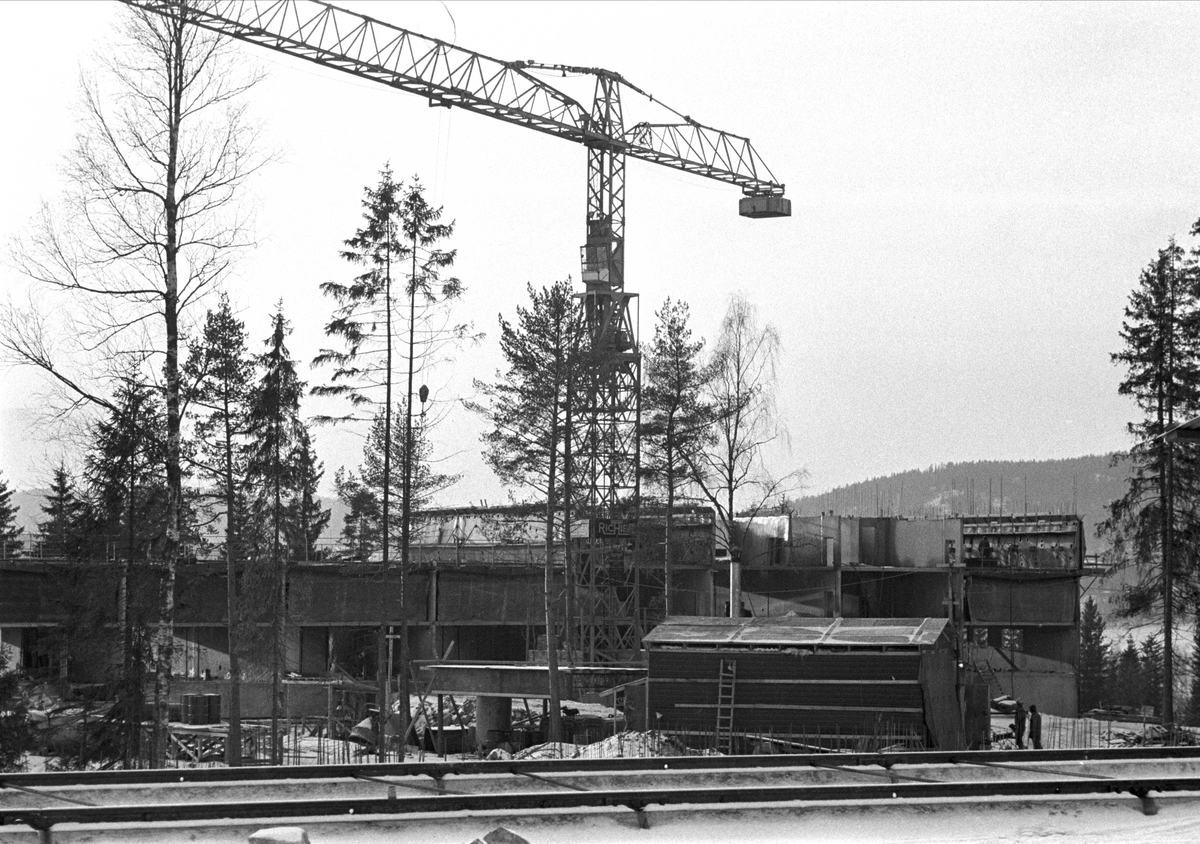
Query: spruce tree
x,y
1093,658
218,370
677,417
361,524
10,543
1127,676
306,519
64,510
125,518
379,328
1153,525
275,429
1193,712
15,731
125,474
424,481
1152,678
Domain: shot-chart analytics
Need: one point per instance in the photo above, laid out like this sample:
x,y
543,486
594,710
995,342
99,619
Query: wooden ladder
x,y
726,683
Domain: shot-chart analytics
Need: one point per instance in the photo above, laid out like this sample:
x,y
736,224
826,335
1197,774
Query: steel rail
x,y
634,799
438,770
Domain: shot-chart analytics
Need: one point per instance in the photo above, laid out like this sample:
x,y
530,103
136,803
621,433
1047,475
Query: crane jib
x,y
448,75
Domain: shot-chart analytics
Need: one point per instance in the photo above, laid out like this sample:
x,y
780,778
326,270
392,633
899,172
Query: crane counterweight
x,y
758,207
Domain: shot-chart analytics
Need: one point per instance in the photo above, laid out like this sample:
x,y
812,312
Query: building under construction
x,y
1008,587
1008,584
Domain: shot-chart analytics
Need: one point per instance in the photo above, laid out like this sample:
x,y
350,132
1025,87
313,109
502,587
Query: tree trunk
x,y
383,663
1166,502
233,742
165,637
132,680
1166,416
551,631
668,551
735,551
568,555
280,609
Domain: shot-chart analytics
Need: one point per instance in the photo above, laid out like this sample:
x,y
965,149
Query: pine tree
x,y
528,408
1093,658
60,531
1152,678
275,428
1157,517
10,543
677,418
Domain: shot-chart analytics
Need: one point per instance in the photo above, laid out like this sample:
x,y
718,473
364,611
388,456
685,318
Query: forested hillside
x,y
1080,485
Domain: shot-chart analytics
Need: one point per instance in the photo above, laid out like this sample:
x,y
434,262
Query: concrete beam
x,y
519,681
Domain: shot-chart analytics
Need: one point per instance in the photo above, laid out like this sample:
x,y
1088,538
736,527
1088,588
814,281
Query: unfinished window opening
x,y
1012,639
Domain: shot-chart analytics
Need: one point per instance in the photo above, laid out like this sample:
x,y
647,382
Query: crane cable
x,y
441,165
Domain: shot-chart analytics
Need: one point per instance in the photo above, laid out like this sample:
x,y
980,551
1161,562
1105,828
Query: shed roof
x,y
797,631
1187,430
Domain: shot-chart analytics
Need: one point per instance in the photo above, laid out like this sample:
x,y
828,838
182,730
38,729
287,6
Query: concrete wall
x,y
303,699
1054,693
1037,679
925,543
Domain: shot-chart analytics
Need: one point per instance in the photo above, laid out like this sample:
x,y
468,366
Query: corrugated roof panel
x,y
796,631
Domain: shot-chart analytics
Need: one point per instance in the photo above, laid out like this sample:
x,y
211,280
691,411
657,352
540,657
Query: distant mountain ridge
x,y
1084,486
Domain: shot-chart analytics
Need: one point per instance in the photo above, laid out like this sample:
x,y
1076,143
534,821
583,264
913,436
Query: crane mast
x,y
612,407
451,76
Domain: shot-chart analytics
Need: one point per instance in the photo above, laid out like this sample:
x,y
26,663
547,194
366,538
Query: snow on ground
x,y
1118,820
1060,733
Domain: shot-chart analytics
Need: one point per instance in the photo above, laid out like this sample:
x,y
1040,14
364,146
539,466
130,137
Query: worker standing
x,y
1035,727
1019,725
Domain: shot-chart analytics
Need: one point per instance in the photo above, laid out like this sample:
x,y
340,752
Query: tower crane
x,y
452,76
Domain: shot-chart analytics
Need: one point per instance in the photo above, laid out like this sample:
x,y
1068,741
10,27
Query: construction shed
x,y
790,683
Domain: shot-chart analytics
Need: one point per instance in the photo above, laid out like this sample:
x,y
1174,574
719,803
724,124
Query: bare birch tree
x,y
149,223
731,471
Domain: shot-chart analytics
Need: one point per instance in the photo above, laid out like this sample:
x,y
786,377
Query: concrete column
x,y
491,713
735,588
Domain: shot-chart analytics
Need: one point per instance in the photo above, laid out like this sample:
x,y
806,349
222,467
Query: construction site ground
x,y
1074,820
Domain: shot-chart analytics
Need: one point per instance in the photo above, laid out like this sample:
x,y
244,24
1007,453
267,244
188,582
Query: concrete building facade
x,y
1009,585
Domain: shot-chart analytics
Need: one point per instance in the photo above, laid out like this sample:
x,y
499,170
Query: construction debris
x,y
500,835
629,744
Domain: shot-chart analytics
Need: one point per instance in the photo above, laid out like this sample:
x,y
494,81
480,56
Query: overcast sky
x,y
975,189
